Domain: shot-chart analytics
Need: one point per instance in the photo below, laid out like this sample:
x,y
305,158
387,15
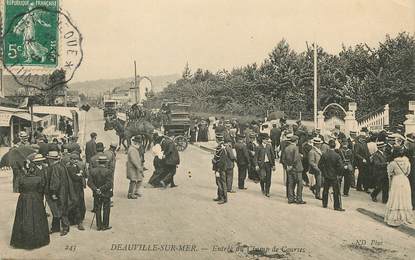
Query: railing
x,y
376,119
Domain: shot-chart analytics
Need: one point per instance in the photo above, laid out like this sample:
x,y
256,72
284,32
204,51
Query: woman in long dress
x,y
399,205
30,229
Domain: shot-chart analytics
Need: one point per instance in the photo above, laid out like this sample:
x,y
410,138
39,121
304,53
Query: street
x,y
184,222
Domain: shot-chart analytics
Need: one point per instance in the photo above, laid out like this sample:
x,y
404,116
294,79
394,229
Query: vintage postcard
x,y
220,129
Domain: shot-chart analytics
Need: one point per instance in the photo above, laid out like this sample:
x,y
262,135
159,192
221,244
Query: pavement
x,y
184,222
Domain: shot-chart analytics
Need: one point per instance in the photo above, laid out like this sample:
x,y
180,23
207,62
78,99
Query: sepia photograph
x,y
220,129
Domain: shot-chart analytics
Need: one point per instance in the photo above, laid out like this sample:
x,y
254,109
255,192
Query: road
x,y
187,220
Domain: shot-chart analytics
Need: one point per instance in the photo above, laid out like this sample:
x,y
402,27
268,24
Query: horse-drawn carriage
x,y
176,123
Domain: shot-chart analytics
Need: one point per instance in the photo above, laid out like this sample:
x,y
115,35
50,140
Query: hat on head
x,y
317,140
137,139
100,146
53,155
337,127
102,158
252,134
364,129
23,134
114,144
38,158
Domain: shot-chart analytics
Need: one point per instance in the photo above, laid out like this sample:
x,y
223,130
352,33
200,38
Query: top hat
x,y
53,155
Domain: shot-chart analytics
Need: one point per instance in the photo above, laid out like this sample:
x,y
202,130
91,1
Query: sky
x,y
162,35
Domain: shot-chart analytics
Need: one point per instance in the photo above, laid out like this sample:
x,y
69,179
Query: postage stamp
x,y
32,39
40,41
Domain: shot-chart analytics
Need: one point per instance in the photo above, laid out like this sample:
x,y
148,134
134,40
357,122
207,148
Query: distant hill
x,y
95,87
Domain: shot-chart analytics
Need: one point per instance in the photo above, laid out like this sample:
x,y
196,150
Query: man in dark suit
x,y
100,182
264,160
171,159
91,147
331,166
293,162
362,155
242,160
380,165
275,135
93,162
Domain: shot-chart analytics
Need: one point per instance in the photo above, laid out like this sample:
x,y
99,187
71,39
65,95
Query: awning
x,y
54,110
6,116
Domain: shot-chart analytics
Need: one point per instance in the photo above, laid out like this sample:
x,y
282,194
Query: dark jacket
x,y
275,135
242,154
171,154
90,150
292,158
380,164
219,159
230,157
93,162
331,165
100,178
361,152
260,151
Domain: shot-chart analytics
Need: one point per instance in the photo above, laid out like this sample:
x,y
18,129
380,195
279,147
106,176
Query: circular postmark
x,y
42,48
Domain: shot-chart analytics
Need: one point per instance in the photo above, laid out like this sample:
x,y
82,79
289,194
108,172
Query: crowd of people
x,y
384,162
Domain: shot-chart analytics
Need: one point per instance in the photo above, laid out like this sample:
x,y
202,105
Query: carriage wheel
x,y
181,143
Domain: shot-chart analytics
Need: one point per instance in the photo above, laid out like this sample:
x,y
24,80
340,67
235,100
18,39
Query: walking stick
x,y
92,222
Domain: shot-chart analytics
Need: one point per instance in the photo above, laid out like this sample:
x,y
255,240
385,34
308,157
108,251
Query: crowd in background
x,y
371,162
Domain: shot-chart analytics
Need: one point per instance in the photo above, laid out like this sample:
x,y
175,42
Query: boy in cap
x,y
100,182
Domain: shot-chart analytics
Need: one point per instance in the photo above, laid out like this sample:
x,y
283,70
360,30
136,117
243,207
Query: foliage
x,y
372,77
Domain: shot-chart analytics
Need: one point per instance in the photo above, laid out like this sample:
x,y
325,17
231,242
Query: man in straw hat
x,y
380,165
219,168
100,182
61,196
292,160
313,159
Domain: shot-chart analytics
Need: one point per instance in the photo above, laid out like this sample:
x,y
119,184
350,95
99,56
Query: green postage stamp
x,y
31,32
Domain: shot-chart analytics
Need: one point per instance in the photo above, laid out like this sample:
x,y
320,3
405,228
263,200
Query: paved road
x,y
184,222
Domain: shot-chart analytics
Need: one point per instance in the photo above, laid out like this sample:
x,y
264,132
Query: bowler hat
x,y
53,155
100,146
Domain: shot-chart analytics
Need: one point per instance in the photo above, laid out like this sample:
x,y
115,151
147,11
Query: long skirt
x,y
30,229
399,205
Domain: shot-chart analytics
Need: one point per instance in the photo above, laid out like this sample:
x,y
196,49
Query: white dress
x,y
399,206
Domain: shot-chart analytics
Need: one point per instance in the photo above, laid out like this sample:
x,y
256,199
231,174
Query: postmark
x,y
42,47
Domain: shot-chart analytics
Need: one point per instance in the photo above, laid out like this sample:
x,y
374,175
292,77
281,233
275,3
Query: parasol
x,y
16,156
